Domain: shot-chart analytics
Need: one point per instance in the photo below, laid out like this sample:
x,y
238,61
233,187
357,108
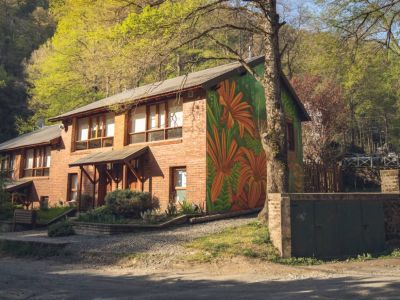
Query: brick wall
x,y
189,151
390,181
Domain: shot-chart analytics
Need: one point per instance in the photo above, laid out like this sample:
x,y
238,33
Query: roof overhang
x,y
14,186
111,156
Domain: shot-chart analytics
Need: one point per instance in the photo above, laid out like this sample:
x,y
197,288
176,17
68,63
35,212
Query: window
x,y
72,187
290,137
179,184
37,162
7,164
156,122
95,132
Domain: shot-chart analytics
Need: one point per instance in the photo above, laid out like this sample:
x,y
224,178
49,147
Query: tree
x,y
375,21
24,25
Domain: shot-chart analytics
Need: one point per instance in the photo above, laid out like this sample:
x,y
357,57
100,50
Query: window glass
x,y
94,127
47,158
161,115
179,184
110,126
83,129
73,187
153,117
175,113
29,159
139,119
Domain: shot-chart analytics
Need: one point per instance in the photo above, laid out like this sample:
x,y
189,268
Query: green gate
x,y
334,228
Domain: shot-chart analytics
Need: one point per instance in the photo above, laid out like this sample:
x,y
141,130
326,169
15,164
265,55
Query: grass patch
x,y
251,240
46,215
25,249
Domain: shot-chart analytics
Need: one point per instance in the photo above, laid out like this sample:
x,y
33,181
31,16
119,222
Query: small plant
x,y
188,208
60,229
171,210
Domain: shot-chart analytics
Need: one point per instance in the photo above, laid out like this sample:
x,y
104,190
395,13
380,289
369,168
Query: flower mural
x,y
235,110
224,154
253,176
236,161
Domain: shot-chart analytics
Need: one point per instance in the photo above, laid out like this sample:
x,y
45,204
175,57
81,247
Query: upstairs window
x,y
95,132
7,165
156,122
37,162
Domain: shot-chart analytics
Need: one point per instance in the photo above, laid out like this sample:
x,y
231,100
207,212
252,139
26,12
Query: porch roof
x,y
15,185
112,156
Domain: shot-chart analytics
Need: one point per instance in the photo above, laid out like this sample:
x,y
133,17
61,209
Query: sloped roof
x,y
16,185
41,136
111,156
204,79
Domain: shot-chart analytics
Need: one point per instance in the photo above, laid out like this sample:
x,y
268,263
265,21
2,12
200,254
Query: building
x,y
193,137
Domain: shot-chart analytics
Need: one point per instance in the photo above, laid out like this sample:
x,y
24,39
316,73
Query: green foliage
x,y
172,209
6,207
60,229
45,215
24,25
130,204
188,208
102,214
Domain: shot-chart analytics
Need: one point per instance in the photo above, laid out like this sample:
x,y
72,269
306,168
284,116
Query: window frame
x,y
165,129
100,133
9,160
173,186
290,139
71,190
37,171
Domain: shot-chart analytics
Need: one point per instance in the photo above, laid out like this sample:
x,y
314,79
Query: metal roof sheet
x,y
110,156
43,135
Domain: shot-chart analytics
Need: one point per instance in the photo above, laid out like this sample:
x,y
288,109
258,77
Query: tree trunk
x,y
274,135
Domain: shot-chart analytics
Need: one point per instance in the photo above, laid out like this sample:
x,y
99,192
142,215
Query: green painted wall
x,y
236,173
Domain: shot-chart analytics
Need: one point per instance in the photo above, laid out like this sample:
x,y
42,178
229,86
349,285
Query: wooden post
x,y
124,176
94,187
80,190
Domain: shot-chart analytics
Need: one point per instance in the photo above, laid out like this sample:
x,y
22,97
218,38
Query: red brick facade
x,y
188,151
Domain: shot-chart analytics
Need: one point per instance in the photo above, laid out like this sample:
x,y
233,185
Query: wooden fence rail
x,y
322,179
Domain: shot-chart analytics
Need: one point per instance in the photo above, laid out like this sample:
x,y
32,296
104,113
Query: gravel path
x,y
165,242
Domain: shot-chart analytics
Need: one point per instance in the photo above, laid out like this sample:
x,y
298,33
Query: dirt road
x,y
234,279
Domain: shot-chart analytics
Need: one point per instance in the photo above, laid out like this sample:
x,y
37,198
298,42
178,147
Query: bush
x,y
6,207
130,204
101,214
86,202
60,229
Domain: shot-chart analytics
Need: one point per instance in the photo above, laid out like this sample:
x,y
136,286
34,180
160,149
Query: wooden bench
x,y
22,216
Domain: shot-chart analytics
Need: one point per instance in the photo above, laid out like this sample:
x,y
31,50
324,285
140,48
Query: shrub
x,y
6,207
188,208
130,204
101,214
86,202
171,210
60,229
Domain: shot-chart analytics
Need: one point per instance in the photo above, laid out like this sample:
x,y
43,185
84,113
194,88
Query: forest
x,y
342,57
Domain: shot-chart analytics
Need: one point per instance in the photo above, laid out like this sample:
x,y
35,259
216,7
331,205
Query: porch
x,y
111,170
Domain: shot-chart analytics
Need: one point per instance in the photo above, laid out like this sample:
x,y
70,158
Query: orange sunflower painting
x,y
253,177
223,155
235,110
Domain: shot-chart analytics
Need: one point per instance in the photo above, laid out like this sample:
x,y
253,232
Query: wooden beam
x,y
110,176
134,171
87,175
